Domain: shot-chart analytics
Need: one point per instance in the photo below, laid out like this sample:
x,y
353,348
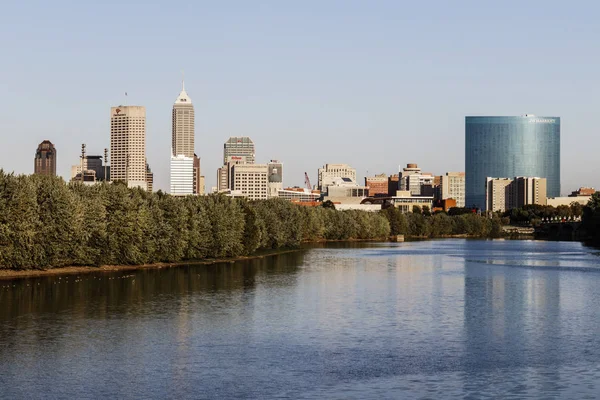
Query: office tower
x,y
44,162
509,147
275,178
452,186
182,139
182,175
128,145
149,179
251,180
238,149
182,146
328,172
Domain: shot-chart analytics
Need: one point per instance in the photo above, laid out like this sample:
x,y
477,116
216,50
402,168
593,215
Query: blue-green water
x,y
433,319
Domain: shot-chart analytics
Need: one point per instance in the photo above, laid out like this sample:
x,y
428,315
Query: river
x,y
431,319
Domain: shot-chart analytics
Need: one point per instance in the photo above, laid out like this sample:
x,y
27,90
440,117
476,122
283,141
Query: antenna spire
x,y
182,80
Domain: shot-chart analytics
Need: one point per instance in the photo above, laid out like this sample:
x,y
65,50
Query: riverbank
x,y
9,274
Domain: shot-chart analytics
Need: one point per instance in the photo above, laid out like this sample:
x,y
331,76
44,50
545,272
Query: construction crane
x,y
307,181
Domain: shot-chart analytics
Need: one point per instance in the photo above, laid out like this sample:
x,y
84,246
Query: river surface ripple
x,y
433,319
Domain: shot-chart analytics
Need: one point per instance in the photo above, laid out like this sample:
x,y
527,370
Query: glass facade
x,y
506,147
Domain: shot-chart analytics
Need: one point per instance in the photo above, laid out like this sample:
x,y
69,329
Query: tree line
x,y
534,214
421,223
47,223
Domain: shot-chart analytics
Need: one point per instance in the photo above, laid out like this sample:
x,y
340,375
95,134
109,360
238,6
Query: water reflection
x,y
452,318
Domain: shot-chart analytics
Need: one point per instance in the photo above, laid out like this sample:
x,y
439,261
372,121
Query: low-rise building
x,y
345,191
297,194
378,185
330,171
405,201
567,201
583,191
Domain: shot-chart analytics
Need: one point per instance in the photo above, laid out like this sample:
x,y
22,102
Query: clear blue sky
x,y
374,84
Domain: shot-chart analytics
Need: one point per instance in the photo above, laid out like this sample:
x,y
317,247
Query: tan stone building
x,y
128,145
330,171
251,180
528,190
452,186
497,194
182,138
504,193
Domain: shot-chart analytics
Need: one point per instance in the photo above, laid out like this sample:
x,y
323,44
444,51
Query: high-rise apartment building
x,y
128,145
182,146
510,146
330,171
452,186
45,159
239,149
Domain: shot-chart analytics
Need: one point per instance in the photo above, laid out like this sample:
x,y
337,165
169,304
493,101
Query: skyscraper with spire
x,y
182,145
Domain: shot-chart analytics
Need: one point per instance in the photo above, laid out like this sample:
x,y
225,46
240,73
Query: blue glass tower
x,y
505,147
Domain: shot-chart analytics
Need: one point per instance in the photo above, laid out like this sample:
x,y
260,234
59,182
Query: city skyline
x,y
357,81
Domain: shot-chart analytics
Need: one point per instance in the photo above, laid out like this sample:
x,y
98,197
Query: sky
x,y
374,84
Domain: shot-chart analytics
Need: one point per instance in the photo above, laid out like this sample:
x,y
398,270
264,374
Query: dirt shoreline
x,y
8,274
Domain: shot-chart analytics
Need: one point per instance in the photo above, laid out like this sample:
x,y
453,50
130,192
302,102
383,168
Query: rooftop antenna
x,y
82,158
105,164
182,80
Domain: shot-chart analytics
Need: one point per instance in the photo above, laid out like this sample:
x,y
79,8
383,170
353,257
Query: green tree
x,y
328,204
591,218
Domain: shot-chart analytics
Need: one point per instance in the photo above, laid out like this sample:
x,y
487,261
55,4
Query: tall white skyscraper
x,y
182,145
128,145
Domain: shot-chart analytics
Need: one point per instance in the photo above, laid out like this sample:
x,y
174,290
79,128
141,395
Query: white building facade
x,y
182,175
